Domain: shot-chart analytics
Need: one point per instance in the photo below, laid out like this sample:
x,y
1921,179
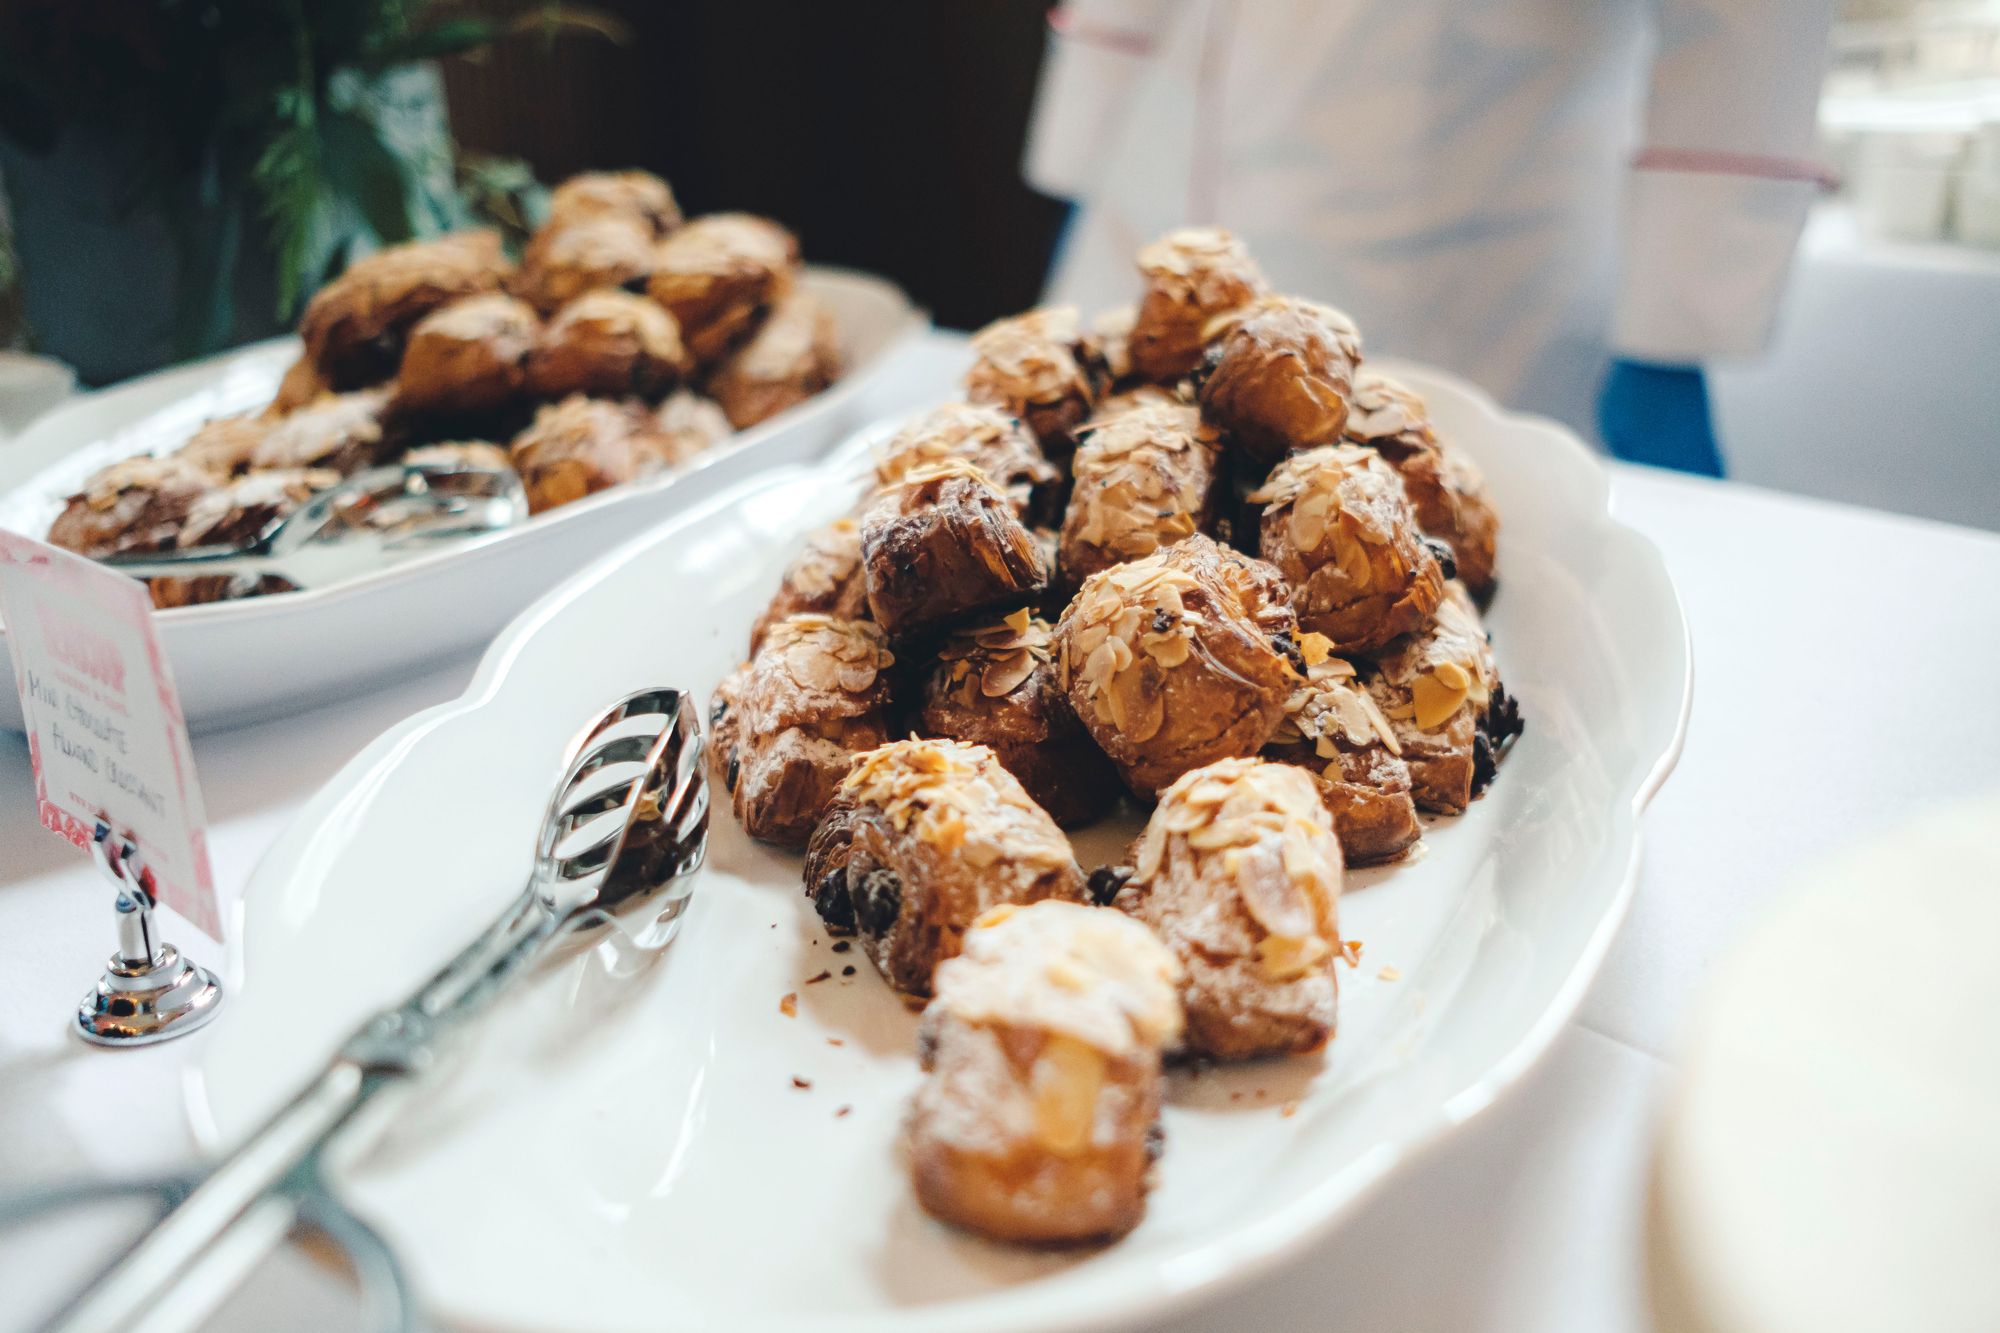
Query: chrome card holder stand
x,y
148,992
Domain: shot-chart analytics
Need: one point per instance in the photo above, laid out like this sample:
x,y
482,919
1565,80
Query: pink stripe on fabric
x,y
1716,162
1126,41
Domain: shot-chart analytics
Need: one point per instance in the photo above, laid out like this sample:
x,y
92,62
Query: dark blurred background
x,y
889,134
178,175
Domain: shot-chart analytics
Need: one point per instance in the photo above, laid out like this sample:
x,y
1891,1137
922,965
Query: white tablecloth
x,y
1839,688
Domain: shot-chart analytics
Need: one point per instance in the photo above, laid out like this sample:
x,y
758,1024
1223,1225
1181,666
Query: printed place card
x,y
104,722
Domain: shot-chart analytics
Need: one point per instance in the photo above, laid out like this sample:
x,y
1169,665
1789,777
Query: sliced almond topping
x,y
1383,730
1308,523
959,799
1145,706
1064,972
1274,897
1286,958
855,679
1434,701
1354,563
1169,650
1004,674
1064,1085
1152,850
1217,834
1111,707
993,916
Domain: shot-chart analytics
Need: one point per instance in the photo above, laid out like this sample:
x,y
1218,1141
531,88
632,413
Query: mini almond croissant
x,y
1038,1118
1339,528
1178,660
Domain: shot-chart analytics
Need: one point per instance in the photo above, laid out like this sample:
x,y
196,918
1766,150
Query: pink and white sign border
x,y
95,595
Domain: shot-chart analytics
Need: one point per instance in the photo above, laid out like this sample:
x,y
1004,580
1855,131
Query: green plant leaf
x,y
548,20
370,176
449,38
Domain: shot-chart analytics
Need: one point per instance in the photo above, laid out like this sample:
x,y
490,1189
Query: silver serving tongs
x,y
372,519
620,844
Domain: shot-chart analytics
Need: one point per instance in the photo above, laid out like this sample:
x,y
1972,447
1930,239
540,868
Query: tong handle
x,y
253,1196
175,1274
194,562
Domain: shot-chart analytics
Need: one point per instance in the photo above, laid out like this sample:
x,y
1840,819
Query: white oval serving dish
x,y
628,1148
241,661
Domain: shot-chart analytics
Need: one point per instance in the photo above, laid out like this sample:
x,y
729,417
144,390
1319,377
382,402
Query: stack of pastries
x,y
625,341
1196,555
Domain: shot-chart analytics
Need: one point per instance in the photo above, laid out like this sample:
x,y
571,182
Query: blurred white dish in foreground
x,y
1829,1163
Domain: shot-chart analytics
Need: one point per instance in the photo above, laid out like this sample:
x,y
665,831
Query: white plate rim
x,y
1228,1260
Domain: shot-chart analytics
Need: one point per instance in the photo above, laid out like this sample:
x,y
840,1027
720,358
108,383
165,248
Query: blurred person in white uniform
x,y
1573,203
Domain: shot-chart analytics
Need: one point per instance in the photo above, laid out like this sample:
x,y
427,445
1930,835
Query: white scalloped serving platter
x,y
627,1147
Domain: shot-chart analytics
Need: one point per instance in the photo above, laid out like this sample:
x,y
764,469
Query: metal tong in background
x,y
372,519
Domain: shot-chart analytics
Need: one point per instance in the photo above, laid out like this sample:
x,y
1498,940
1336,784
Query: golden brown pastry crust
x,y
233,514
1139,395
1038,1119
1440,689
345,432
224,446
639,196
1143,479
301,384
610,343
1013,1186
1279,376
995,443
134,505
1239,873
794,354
1338,527
145,504
240,510
171,593
1334,729
1109,343
943,545
562,263
466,357
353,327
994,685
582,445
1175,661
1192,276
923,837
718,273
788,723
825,579
1030,366
1446,492
690,423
